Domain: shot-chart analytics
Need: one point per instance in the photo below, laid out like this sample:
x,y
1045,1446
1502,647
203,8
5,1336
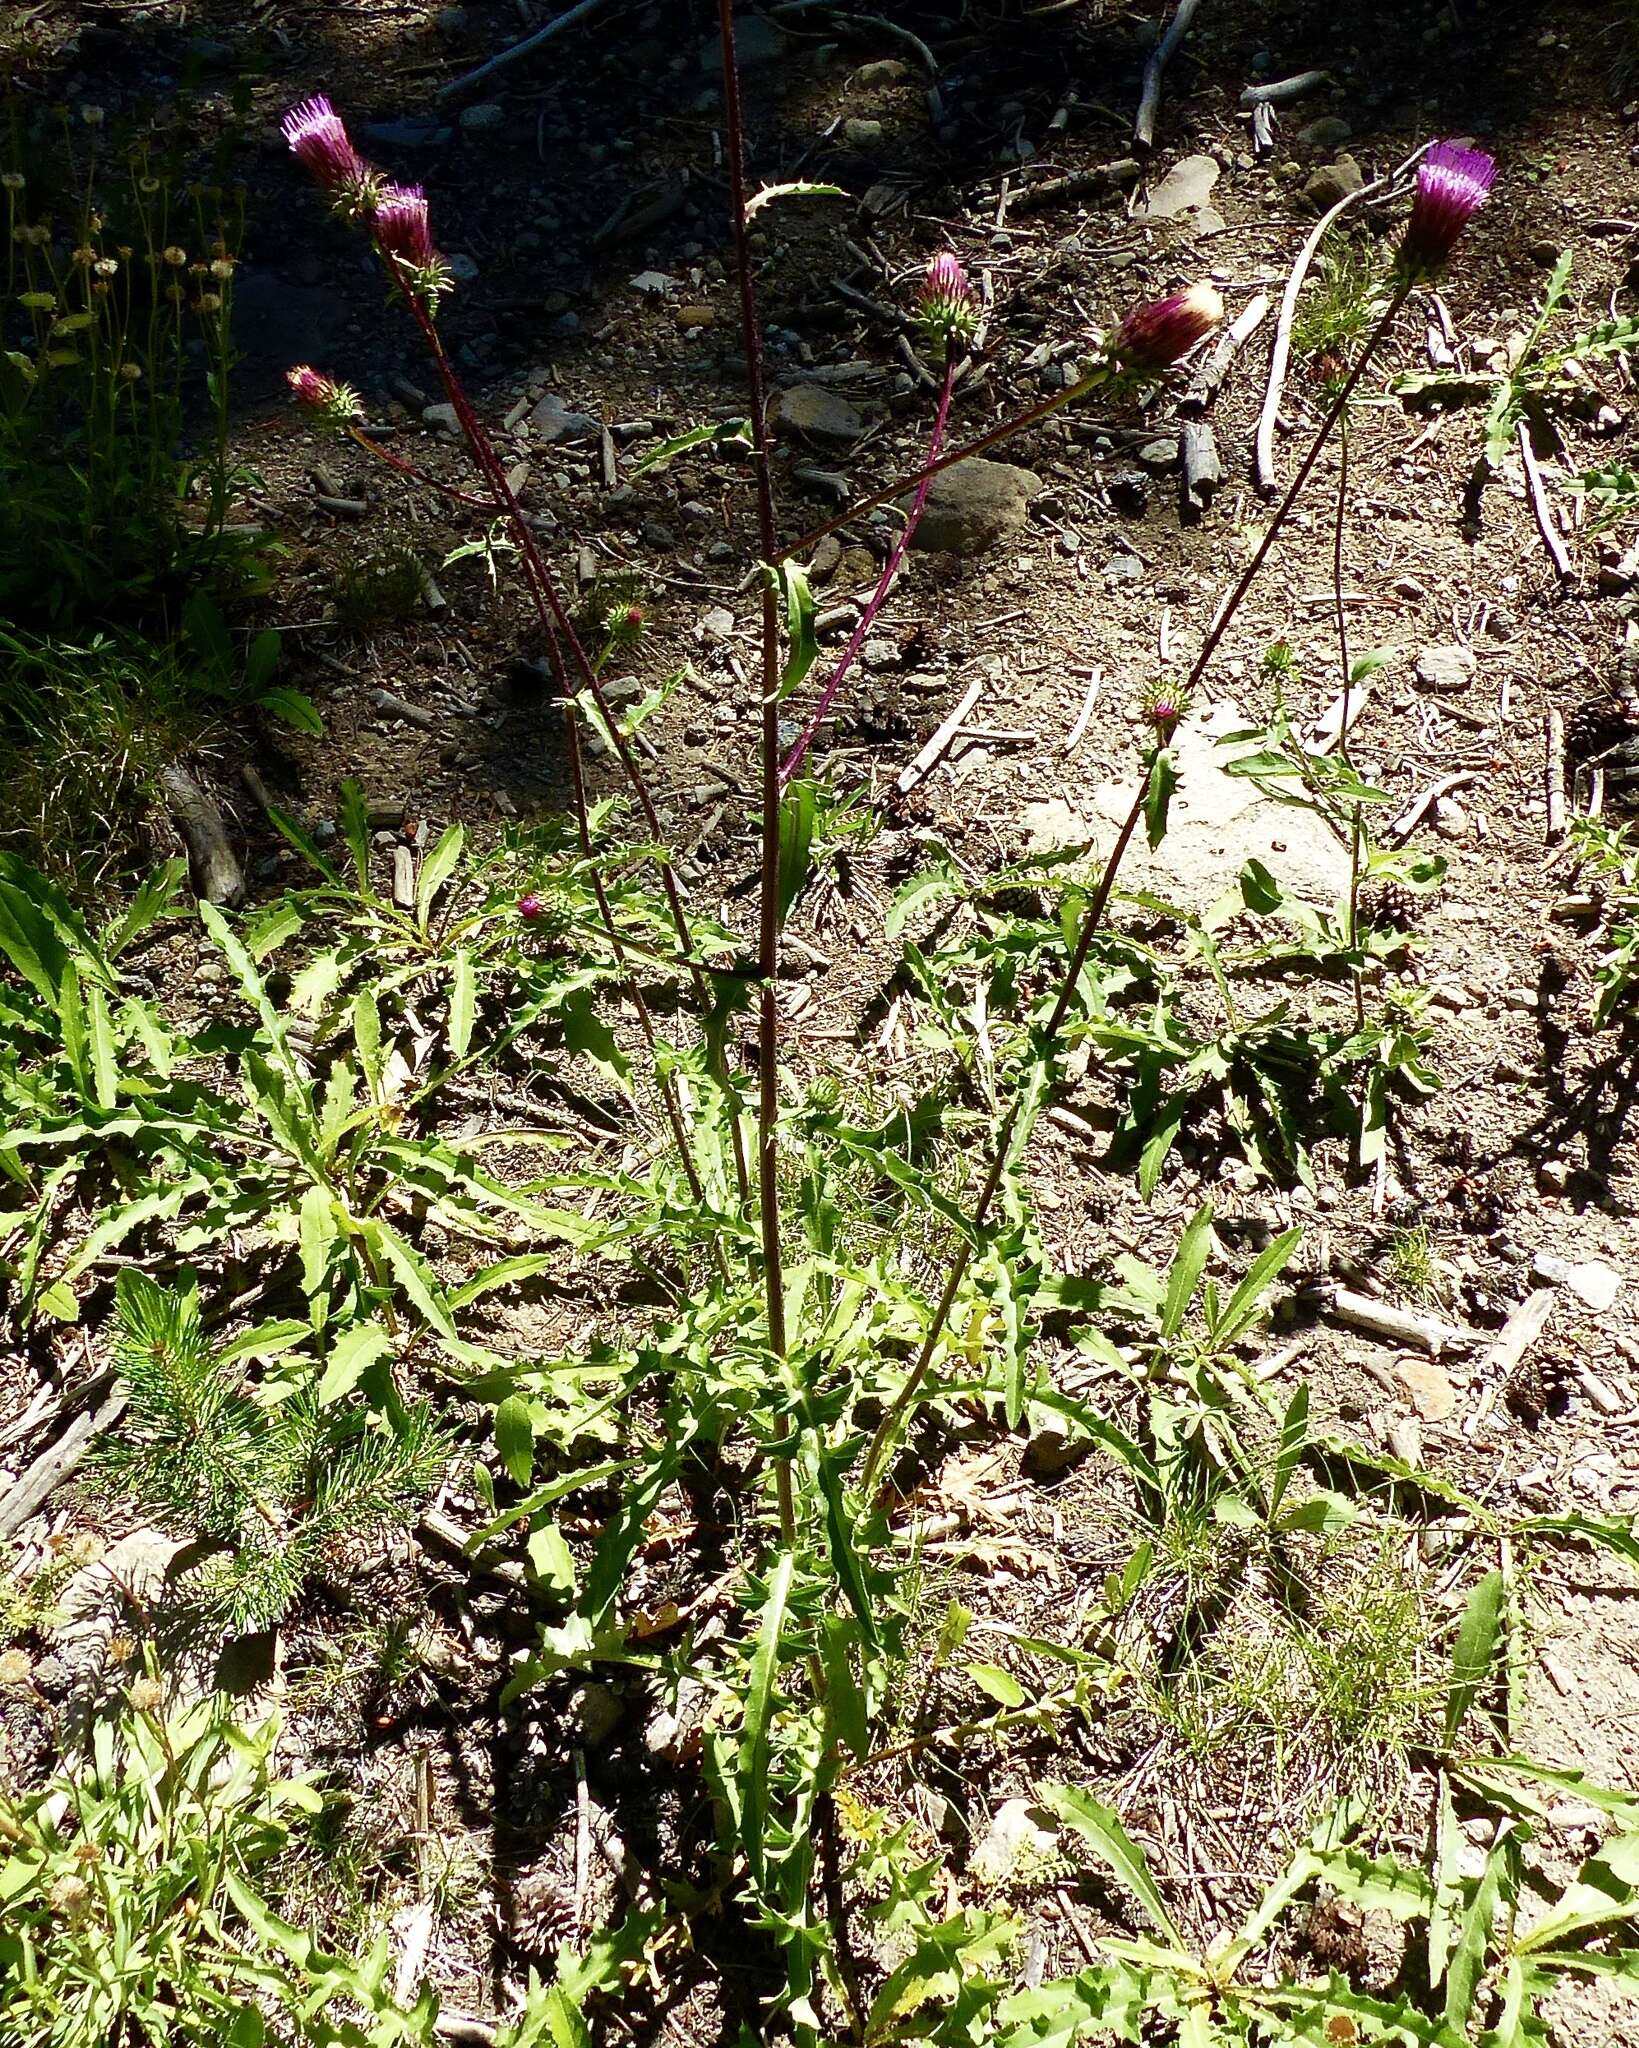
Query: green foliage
x,y
116,314
1540,380
135,1909
317,1141
1609,856
86,729
1334,311
278,1492
381,589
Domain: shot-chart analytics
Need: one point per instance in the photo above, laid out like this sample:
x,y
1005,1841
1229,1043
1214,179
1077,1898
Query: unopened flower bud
x,y
11,181
1153,336
223,268
174,256
208,302
93,117
1452,184
338,405
946,309
1163,707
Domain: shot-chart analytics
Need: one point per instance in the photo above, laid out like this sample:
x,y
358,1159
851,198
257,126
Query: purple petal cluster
x,y
401,226
1452,184
1152,336
319,138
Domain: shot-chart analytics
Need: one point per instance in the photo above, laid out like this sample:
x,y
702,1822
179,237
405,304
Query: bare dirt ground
x,y
585,191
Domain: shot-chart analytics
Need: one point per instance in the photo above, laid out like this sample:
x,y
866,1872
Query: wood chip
x,y
928,756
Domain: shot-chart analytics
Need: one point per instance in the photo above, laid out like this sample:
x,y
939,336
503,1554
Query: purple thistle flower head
x,y
338,405
1452,183
404,237
530,907
319,138
946,309
1152,336
401,226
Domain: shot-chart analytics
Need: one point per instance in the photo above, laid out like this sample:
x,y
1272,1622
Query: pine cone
x,y
1602,721
1390,905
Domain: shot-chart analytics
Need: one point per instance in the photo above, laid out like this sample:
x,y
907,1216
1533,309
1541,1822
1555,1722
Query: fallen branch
x,y
1420,806
1205,384
1264,450
54,1465
1395,1325
1149,104
1554,739
1281,92
1078,730
1557,552
928,756
517,50
1111,177
213,866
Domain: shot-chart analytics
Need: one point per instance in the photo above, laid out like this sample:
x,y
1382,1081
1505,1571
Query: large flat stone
x,y
1217,823
975,504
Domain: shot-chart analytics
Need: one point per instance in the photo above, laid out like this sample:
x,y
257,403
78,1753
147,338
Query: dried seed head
x,y
174,256
16,1667
146,1695
11,181
1153,336
93,117
1452,184
223,268
70,1899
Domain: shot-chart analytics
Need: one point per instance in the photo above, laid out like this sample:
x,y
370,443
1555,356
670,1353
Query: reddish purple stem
x,y
793,760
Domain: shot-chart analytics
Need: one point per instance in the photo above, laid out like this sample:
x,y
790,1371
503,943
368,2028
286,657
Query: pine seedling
x,y
277,1494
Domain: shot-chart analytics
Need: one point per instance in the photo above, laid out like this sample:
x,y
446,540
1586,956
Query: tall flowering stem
x,y
560,632
1440,212
768,934
1146,342
913,519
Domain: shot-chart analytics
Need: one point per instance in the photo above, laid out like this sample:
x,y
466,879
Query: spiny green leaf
x,y
752,1771
1103,1833
1475,1650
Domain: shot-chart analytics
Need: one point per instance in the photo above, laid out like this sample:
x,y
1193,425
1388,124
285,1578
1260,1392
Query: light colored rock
x,y
1333,182
552,421
485,115
885,71
862,133
1185,189
442,419
974,505
1326,133
1590,1280
1446,669
817,415
1432,1393
1015,1837
1218,822
1052,825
